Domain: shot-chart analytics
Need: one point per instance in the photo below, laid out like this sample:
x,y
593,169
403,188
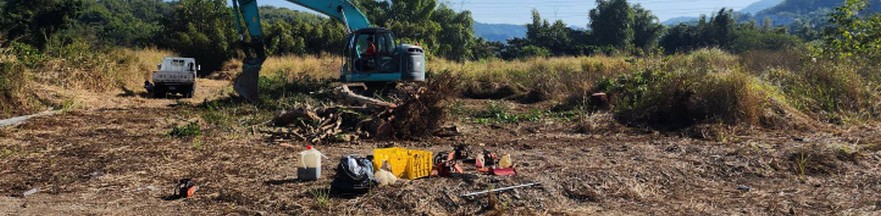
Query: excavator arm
x,y
340,10
248,21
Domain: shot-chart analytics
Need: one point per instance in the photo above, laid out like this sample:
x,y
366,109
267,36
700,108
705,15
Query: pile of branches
x,y
416,110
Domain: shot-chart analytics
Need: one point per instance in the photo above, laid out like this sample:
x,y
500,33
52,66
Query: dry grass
x,y
292,67
766,88
543,78
14,80
73,69
145,61
79,68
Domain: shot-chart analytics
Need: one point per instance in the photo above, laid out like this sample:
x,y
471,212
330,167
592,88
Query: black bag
x,y
354,175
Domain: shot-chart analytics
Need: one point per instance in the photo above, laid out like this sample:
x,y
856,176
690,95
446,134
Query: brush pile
x,y
414,110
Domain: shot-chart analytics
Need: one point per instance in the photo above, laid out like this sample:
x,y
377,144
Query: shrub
x,y
831,89
13,82
708,91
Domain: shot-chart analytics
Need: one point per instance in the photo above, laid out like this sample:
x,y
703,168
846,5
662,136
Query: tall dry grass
x,y
71,68
547,78
14,79
79,67
762,88
288,67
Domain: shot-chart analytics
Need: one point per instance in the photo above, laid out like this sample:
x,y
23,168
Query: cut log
x,y
599,100
350,97
290,117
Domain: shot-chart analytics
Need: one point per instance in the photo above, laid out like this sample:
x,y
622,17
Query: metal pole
x,y
500,189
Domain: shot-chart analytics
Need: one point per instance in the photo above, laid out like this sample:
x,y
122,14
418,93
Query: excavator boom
x,y
248,16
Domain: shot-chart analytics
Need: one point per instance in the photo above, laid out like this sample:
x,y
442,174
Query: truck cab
x,y
174,75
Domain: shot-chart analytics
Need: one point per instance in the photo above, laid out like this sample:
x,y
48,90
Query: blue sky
x,y
573,12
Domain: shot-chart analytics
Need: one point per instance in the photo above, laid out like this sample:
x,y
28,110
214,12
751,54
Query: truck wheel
x,y
159,92
190,92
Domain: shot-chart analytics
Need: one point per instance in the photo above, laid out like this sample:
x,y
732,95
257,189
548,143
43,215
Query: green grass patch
x,y
321,197
499,112
191,129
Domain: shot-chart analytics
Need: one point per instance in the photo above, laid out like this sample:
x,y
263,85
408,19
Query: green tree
x,y
721,29
411,21
611,22
377,11
202,29
647,30
854,36
279,40
456,36
34,21
554,38
679,38
128,23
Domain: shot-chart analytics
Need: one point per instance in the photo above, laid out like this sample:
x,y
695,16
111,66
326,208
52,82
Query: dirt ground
x,y
114,157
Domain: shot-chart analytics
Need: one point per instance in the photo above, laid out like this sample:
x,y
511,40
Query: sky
x,y
572,12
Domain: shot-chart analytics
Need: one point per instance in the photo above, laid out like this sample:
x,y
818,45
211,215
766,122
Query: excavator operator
x,y
367,57
371,48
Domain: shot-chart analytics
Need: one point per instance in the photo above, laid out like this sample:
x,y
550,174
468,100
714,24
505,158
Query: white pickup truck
x,y
174,75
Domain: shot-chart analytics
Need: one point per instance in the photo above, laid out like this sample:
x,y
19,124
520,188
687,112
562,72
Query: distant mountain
x,y
677,20
789,11
760,5
750,9
499,32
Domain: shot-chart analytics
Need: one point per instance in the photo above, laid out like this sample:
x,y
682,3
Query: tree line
x,y
206,29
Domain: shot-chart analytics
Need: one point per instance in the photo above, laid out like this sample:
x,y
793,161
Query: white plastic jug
x,y
505,162
310,164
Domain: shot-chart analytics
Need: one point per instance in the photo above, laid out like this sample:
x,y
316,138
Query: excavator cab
x,y
371,51
372,56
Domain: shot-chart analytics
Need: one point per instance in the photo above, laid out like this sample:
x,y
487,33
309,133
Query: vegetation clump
x,y
191,129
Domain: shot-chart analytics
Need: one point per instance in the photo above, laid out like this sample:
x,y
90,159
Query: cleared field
x,y
748,141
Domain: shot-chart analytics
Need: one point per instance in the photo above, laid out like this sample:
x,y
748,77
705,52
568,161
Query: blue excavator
x,y
372,58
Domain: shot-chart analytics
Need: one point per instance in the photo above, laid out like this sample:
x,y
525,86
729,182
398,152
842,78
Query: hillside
x,y
499,32
677,20
759,6
789,11
750,9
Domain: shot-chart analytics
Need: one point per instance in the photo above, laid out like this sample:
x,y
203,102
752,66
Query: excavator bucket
x,y
246,83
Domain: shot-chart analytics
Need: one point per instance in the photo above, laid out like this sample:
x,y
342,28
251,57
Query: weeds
x,y
818,160
6,152
500,112
321,196
198,143
497,206
801,162
496,112
191,129
68,105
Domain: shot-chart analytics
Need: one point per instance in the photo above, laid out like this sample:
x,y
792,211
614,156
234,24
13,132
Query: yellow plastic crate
x,y
418,164
396,157
410,164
